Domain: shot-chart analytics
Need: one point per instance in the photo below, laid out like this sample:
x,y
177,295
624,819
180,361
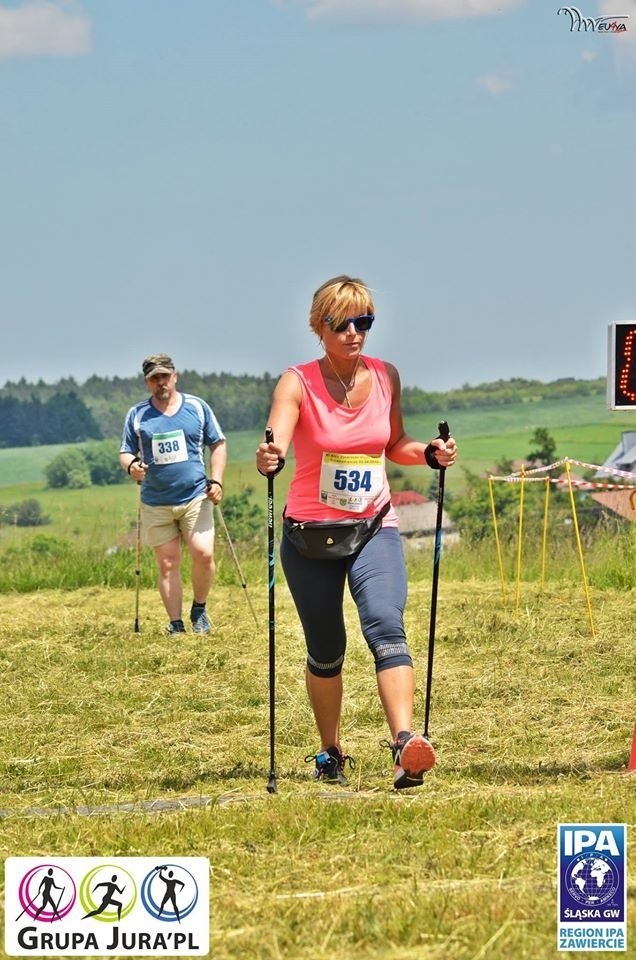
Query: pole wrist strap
x,y
430,457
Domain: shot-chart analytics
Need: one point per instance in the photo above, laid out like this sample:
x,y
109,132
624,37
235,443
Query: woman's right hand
x,y
268,456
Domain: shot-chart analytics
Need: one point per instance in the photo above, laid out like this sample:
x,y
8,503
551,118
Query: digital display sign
x,y
621,373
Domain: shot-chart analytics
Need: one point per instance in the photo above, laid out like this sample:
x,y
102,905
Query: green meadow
x,y
584,429
532,719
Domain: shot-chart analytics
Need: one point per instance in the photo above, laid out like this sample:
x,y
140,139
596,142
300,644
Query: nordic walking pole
x,y
31,903
236,562
444,433
138,562
271,783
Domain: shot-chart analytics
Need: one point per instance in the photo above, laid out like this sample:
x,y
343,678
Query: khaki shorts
x,y
162,524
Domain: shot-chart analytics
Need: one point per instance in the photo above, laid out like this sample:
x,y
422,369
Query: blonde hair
x,y
339,298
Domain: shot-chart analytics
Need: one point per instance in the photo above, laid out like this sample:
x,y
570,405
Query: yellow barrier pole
x,y
521,484
578,541
545,530
491,485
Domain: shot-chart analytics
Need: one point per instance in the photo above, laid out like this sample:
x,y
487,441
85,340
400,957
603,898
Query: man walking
x,y
163,449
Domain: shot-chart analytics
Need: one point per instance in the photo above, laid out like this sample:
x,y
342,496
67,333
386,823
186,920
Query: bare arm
x,y
404,449
218,461
282,419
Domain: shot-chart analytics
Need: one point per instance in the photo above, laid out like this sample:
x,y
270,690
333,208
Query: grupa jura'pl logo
x,y
47,893
592,879
169,892
108,893
106,906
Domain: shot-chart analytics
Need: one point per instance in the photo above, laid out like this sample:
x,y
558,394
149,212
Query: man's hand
x,y
137,470
214,491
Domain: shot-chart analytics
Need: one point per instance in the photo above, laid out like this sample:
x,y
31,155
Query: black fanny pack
x,y
323,540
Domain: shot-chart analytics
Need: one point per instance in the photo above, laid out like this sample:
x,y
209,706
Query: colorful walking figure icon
x,y
108,899
171,883
45,887
169,892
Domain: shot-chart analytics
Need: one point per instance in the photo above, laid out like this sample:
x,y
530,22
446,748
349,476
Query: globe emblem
x,y
592,880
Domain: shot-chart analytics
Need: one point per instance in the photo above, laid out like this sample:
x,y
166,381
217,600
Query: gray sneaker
x,y
330,764
175,626
200,622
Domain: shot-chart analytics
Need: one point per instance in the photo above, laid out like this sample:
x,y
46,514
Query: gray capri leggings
x,y
377,582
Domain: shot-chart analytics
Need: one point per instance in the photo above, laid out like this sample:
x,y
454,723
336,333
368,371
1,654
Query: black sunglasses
x,y
363,323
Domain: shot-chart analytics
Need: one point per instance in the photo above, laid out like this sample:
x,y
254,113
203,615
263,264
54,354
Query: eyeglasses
x,y
363,323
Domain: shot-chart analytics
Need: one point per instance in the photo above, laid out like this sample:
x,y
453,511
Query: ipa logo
x,y
592,871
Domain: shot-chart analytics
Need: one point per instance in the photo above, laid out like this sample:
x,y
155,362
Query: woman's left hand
x,y
445,452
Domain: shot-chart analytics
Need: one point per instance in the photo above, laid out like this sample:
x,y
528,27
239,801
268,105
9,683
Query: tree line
x,y
67,411
59,418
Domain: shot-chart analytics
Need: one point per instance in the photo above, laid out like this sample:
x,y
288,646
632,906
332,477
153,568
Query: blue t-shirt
x,y
172,447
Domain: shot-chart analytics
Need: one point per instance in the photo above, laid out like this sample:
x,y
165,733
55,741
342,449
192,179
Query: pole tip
x,y
271,784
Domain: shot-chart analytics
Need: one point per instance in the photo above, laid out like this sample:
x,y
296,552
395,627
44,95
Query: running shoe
x,y
330,764
175,626
199,620
413,756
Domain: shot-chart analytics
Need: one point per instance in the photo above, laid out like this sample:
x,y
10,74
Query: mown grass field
x,y
532,719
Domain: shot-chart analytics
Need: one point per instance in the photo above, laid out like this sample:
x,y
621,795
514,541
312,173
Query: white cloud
x,y
588,55
405,11
495,83
54,28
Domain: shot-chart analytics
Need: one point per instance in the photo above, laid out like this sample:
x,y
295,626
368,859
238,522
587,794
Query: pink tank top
x,y
340,470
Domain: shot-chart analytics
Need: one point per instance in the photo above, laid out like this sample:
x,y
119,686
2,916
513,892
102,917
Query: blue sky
x,y
180,175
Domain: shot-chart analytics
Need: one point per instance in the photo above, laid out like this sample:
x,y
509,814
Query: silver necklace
x,y
351,384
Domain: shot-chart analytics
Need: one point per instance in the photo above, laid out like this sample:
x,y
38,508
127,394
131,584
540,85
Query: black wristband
x,y
129,467
212,483
430,457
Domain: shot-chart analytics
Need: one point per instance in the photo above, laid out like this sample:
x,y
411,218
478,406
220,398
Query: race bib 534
x,y
351,481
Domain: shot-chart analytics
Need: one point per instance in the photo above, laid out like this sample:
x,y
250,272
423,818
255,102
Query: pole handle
x,y
429,449
269,438
444,430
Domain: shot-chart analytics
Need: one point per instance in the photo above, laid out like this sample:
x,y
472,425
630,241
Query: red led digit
x,y
626,377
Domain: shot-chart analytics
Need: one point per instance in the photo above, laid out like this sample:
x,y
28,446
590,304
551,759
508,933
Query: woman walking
x,y
343,414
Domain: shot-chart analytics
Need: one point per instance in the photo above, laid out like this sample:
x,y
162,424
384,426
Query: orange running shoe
x,y
413,756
